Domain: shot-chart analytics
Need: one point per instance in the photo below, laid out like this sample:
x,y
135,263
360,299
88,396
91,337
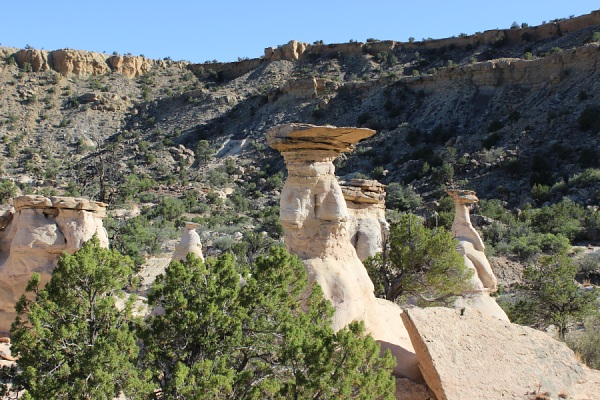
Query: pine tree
x,y
259,333
71,338
418,262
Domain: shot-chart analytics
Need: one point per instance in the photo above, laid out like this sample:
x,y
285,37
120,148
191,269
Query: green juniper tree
x,y
551,296
236,333
71,338
418,262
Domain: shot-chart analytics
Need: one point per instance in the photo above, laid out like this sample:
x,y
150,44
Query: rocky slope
x,y
517,90
498,112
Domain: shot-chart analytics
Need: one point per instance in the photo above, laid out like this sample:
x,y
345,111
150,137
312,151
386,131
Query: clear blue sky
x,y
227,29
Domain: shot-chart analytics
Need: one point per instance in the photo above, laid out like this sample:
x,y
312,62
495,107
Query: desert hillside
x,y
493,136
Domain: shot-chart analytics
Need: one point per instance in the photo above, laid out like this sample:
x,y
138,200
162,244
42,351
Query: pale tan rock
x,y
409,390
5,349
130,66
190,243
466,354
367,225
315,217
472,248
7,357
329,141
40,230
76,62
38,59
290,51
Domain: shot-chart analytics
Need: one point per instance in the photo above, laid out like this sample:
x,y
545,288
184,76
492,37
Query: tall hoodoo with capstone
x,y
33,236
471,247
314,214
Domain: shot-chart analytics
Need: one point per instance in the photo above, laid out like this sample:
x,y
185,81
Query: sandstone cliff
x,y
82,63
293,50
35,233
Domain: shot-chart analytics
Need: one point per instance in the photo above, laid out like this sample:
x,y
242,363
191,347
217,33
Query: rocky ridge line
x,y
69,62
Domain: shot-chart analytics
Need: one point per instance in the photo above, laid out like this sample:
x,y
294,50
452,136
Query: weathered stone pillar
x,y
368,227
471,247
190,243
315,217
39,231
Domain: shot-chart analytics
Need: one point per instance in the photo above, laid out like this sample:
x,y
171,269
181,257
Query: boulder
x,y
466,354
315,216
38,231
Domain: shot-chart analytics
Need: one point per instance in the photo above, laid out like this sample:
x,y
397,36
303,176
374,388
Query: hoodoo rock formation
x,y
190,243
315,217
34,234
365,200
471,247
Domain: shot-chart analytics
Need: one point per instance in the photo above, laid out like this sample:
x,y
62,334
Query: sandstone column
x,y
190,243
315,217
368,227
39,231
471,247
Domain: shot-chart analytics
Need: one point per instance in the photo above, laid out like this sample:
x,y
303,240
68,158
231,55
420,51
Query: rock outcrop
x,y
365,200
472,248
484,73
130,66
190,243
466,354
76,62
82,63
291,51
36,232
314,214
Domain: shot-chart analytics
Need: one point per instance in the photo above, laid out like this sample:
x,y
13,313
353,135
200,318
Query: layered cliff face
x,y
34,235
69,62
315,216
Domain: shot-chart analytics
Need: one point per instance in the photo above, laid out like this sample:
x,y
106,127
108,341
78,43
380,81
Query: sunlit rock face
x,y
34,234
316,219
467,354
471,247
365,200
